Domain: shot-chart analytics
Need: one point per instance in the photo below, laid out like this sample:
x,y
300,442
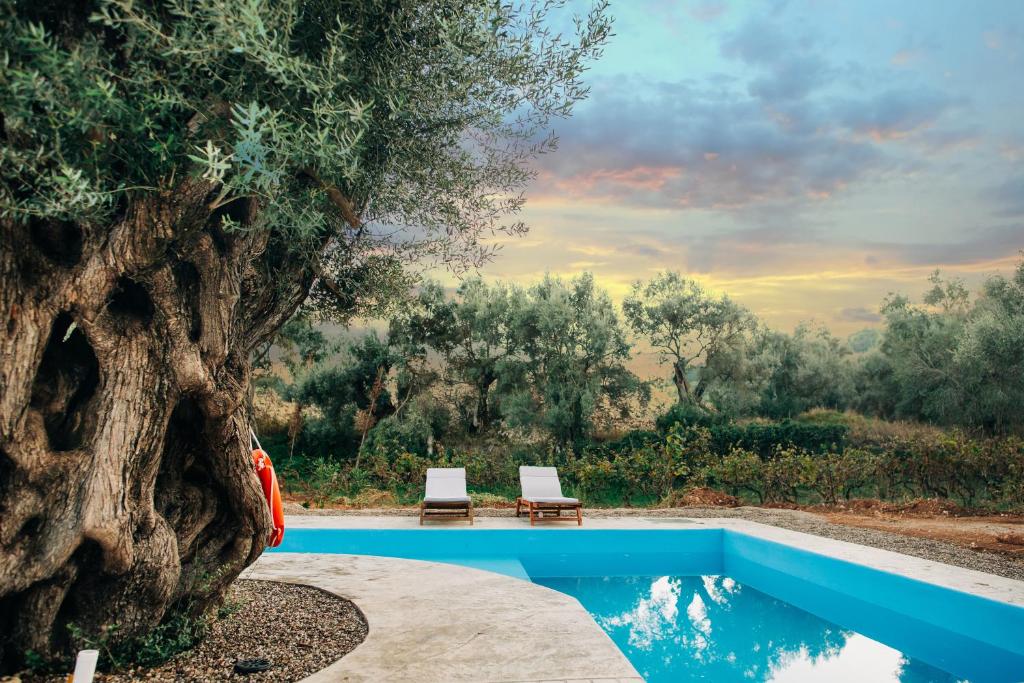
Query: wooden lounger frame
x,y
549,507
446,510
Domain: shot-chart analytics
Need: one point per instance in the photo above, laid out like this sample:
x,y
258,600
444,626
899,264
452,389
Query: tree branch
x,y
343,203
334,288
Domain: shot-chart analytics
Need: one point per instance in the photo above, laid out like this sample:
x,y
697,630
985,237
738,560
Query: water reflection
x,y
676,628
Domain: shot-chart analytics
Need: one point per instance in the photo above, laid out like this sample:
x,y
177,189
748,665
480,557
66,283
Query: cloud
x,y
683,146
1012,150
643,250
895,113
1003,40
709,10
757,42
788,68
1008,197
858,314
906,57
980,245
748,249
792,78
783,137
944,140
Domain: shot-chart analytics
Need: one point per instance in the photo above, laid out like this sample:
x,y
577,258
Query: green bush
x,y
329,437
763,438
637,438
766,438
688,415
408,435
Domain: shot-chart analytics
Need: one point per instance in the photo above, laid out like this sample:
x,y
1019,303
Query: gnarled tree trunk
x,y
681,382
126,482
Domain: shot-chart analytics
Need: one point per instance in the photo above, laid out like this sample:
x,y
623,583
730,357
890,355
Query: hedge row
x,y
761,438
645,468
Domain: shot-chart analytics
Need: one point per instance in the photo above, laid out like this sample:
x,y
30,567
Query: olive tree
x,y
953,360
688,326
472,335
571,361
176,178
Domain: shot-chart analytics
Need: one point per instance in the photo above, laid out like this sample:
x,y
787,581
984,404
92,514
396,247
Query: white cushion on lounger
x,y
446,485
541,485
556,499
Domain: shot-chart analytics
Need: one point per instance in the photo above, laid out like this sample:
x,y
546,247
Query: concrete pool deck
x,y
441,622
431,621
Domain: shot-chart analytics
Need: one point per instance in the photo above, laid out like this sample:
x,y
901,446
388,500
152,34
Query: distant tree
x,y
177,178
950,360
471,334
920,344
688,326
347,396
299,345
989,357
811,371
950,296
736,379
875,387
864,340
777,375
571,361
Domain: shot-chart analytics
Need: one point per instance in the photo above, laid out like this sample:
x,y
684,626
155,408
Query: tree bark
x,y
126,481
682,384
482,417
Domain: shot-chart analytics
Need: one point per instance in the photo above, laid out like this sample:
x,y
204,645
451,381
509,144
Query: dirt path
x,y
996,534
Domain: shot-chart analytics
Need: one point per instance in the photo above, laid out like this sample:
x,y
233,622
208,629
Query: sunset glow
x,y
806,157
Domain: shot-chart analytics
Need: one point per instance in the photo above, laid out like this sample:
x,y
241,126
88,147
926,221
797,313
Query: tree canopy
x,y
371,133
689,327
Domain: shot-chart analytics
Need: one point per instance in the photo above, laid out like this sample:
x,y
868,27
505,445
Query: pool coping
x,y
961,579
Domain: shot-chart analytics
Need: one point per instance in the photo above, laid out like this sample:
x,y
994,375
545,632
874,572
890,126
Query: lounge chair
x,y
542,493
445,496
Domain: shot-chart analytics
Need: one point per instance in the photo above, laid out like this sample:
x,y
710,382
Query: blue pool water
x,y
711,628
719,605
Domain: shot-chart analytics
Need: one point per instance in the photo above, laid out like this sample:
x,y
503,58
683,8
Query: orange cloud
x,y
649,178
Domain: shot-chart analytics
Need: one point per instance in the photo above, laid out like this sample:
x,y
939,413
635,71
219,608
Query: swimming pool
x,y
718,604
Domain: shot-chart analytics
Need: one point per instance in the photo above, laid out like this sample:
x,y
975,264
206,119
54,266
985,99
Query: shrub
x,y
763,438
766,439
490,500
688,415
374,498
636,438
737,472
411,434
786,474
838,476
329,437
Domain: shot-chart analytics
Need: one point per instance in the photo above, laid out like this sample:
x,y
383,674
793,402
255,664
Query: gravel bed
x,y
795,520
299,629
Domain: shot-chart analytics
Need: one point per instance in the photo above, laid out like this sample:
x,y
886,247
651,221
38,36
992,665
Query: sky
x,y
805,157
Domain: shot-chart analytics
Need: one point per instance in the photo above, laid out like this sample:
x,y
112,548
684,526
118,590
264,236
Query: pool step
x,y
506,566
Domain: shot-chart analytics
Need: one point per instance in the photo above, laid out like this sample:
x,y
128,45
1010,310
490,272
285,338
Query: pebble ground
x,y
299,629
